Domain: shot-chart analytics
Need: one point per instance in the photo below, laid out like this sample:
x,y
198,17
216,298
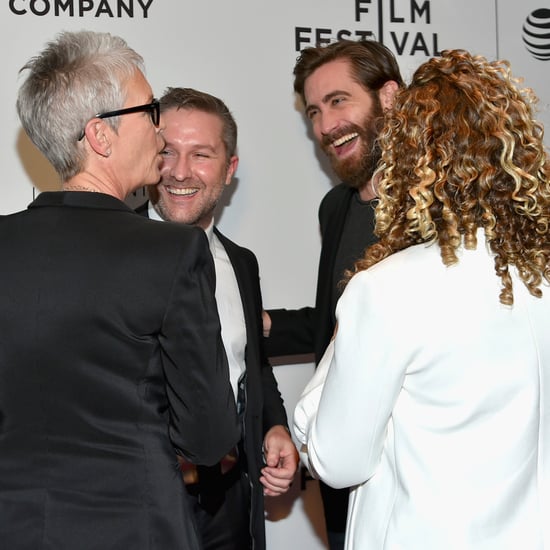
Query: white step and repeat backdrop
x,y
244,51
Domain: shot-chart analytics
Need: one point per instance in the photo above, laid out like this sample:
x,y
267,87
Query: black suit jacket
x,y
309,330
110,362
264,405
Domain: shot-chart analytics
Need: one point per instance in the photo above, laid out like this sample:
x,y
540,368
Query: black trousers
x,y
224,524
335,504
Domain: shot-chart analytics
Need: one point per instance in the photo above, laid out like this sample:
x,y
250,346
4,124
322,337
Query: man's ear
x,y
386,94
98,134
232,168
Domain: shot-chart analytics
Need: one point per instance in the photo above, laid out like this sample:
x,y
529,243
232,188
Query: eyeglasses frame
x,y
152,108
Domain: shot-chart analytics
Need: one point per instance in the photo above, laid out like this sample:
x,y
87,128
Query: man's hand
x,y
281,459
266,320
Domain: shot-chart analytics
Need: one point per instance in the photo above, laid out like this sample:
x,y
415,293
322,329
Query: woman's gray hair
x,y
75,77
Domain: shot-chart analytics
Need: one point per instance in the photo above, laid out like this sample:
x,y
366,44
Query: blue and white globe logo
x,y
536,34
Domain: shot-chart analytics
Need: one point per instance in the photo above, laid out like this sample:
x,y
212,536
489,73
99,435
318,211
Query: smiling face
x,y
195,167
344,118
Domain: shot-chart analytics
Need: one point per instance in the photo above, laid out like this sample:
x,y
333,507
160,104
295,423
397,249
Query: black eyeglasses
x,y
152,108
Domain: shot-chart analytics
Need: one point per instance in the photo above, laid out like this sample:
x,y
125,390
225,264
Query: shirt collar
x,y
152,213
210,231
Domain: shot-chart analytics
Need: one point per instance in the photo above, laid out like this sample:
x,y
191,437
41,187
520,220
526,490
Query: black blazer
x,y
264,405
110,362
309,330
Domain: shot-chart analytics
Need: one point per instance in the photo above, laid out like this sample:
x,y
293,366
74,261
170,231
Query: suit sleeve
x,y
306,408
292,332
203,417
274,412
343,420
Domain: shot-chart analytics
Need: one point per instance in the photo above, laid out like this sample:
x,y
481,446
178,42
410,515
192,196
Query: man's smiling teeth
x,y
181,191
344,139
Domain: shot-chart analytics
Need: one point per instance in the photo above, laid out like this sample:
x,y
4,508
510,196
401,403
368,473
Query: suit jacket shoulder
x,y
335,203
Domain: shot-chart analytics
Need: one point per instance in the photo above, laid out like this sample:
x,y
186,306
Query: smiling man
x,y
344,115
199,158
345,88
199,163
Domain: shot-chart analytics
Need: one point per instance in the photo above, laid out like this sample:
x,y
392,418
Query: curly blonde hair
x,y
461,150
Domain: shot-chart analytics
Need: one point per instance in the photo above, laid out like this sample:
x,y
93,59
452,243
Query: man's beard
x,y
358,169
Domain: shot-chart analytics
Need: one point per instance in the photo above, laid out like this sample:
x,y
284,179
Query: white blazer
x,y
435,408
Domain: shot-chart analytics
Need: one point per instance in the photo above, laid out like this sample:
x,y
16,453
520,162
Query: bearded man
x,y
345,88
